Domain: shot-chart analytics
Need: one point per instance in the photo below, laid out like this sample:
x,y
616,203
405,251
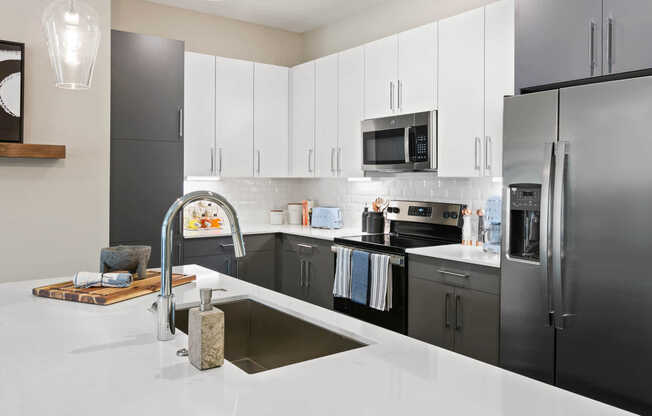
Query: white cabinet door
x,y
326,123
270,120
499,79
461,94
302,137
417,69
351,109
234,117
199,117
381,74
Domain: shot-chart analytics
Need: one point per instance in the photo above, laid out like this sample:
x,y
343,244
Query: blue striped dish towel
x,y
90,279
380,297
342,283
359,277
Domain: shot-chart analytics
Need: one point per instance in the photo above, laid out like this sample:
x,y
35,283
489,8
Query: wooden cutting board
x,y
109,295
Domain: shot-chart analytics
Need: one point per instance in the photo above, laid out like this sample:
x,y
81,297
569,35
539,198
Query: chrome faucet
x,y
164,305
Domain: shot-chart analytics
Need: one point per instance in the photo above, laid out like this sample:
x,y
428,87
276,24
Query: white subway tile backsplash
x,y
254,197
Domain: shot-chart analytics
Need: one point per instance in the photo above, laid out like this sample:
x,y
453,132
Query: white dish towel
x,y
342,284
381,283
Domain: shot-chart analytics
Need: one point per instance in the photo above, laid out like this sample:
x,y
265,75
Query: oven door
x,y
396,318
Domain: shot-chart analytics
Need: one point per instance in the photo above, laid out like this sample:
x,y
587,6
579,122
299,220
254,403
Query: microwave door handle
x,y
407,144
545,233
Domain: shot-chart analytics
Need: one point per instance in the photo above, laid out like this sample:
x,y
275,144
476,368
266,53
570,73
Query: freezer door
x,y
526,336
604,350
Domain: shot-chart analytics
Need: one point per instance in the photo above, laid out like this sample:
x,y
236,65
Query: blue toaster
x,y
325,217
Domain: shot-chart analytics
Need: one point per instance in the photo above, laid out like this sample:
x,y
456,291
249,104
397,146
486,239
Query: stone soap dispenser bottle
x,y
206,333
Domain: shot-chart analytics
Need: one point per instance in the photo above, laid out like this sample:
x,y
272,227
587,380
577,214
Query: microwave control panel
x,y
419,144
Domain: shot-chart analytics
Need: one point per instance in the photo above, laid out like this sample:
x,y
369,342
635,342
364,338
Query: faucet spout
x,y
165,302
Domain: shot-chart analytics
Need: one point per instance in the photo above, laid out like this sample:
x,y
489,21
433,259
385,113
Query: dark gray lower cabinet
x,y
307,270
259,265
213,253
455,306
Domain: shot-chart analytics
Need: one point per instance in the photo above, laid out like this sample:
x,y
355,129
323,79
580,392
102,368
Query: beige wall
x,y
54,215
390,17
209,34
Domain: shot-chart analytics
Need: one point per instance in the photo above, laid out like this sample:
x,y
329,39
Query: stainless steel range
x,y
411,224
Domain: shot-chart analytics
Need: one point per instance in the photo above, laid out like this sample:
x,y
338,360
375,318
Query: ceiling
x,y
293,15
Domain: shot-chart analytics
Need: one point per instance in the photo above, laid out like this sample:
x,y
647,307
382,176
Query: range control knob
x,y
396,210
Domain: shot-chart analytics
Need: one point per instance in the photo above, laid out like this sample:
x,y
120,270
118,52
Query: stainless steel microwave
x,y
400,143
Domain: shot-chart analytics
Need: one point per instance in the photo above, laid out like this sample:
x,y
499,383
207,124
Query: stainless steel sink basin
x,y
259,338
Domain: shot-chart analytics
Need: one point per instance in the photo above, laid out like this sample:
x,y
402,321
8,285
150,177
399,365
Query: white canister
x,y
294,213
276,216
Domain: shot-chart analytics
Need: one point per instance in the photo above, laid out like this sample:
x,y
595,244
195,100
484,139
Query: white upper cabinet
x,y
270,156
499,79
234,117
199,117
461,94
351,112
302,137
416,88
381,76
326,119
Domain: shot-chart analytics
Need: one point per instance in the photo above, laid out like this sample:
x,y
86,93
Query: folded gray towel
x,y
342,284
381,283
90,279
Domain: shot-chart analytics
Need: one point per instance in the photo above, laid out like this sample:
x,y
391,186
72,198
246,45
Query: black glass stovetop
x,y
390,242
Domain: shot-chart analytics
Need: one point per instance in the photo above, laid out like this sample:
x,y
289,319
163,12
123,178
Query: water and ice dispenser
x,y
524,215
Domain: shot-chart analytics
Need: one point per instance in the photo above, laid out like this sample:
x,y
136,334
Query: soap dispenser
x,y
206,333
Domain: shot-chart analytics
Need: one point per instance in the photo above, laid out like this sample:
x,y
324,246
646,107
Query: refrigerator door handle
x,y
545,232
558,241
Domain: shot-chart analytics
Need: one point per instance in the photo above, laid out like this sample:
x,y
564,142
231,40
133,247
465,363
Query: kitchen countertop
x,y
300,230
458,252
65,358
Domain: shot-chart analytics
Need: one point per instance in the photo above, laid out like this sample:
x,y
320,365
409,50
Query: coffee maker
x,y
525,214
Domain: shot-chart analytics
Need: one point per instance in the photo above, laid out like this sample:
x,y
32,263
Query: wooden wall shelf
x,y
32,151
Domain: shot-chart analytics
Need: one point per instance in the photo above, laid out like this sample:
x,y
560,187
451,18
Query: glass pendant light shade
x,y
73,37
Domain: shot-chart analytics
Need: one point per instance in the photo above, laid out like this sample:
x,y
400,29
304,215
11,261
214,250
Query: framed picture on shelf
x,y
12,87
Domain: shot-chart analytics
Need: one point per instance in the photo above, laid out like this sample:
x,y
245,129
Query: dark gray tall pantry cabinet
x,y
147,84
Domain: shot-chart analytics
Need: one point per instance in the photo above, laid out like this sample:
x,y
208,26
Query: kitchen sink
x,y
259,338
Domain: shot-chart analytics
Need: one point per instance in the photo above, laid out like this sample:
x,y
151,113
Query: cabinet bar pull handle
x,y
447,302
308,273
458,312
212,171
339,160
305,246
391,95
220,161
476,153
309,160
610,45
258,164
464,275
226,245
487,148
592,63
399,94
180,121
332,160
301,274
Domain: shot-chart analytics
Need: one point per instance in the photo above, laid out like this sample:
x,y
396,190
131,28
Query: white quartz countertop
x,y
458,252
300,230
65,358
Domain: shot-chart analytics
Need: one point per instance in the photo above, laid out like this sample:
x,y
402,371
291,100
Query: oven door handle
x,y
394,259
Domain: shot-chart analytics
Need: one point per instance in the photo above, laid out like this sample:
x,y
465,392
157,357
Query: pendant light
x,y
73,37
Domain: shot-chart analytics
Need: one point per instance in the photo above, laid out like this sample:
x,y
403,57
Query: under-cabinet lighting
x,y
203,178
359,179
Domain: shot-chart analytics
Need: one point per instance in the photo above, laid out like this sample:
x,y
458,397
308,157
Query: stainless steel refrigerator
x,y
576,295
